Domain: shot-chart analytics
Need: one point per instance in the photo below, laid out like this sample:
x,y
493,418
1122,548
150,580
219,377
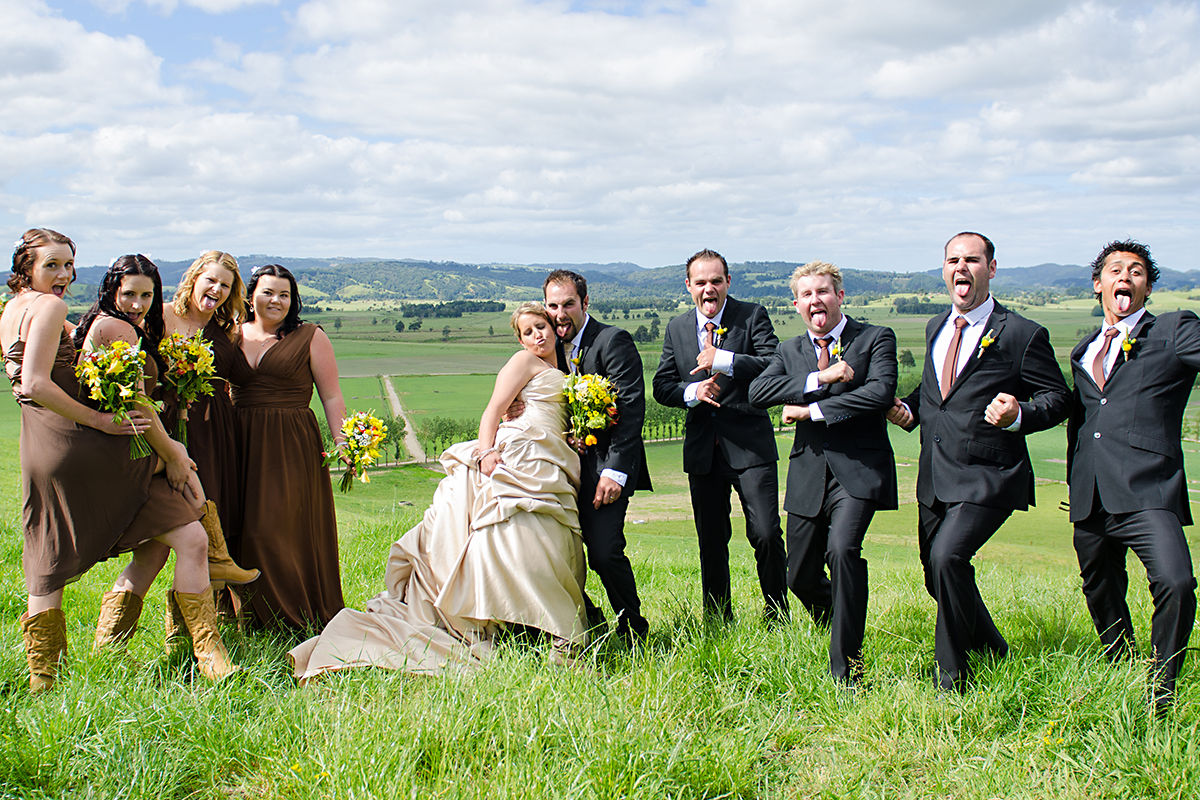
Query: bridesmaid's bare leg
x,y
148,560
44,602
190,543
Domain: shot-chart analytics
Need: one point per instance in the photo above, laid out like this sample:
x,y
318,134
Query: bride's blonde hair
x,y
532,307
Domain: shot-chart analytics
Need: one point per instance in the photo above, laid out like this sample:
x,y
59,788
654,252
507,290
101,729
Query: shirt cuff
x,y
619,477
723,362
1016,426
812,384
689,395
814,412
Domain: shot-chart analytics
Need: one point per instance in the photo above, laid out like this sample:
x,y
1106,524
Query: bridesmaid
x,y
211,302
288,525
129,309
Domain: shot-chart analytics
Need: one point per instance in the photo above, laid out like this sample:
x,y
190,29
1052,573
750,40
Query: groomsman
x,y
1124,461
616,465
709,357
989,380
835,382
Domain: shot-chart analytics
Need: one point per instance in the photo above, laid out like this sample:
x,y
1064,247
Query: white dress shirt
x,y
812,384
722,359
1126,327
976,320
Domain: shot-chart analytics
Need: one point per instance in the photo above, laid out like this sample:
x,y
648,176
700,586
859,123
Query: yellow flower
x,y
986,342
590,440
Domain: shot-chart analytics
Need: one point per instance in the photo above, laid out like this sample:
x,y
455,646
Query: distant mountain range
x,y
411,279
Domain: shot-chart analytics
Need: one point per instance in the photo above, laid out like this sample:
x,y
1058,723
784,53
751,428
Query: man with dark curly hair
x,y
1133,377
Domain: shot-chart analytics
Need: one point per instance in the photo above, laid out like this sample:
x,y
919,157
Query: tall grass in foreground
x,y
703,711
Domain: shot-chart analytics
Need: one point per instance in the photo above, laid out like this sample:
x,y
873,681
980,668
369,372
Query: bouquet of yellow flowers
x,y
190,370
115,376
364,433
592,400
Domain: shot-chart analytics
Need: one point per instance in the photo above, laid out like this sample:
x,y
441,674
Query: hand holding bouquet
x,y
364,433
115,376
592,400
190,370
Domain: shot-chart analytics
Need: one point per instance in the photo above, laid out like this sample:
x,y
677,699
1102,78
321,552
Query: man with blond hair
x,y
835,381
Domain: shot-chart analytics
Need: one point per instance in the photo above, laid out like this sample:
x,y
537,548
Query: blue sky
x,y
863,133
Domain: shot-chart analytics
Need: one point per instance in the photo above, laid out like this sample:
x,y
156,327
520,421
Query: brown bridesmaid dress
x,y
81,490
289,529
212,434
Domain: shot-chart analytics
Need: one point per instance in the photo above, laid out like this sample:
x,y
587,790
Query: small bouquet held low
x,y
592,400
364,433
115,376
190,370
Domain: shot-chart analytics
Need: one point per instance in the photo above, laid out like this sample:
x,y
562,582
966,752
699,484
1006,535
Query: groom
x,y
616,465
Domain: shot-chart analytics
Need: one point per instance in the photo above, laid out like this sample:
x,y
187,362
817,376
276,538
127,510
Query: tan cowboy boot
x,y
178,640
200,616
221,566
119,613
45,635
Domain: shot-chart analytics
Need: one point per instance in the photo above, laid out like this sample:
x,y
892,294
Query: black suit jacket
x,y
852,440
1126,439
609,351
963,457
743,432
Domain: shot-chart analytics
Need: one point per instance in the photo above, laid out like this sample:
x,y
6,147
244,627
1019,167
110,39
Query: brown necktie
x,y
823,356
709,327
950,368
1098,361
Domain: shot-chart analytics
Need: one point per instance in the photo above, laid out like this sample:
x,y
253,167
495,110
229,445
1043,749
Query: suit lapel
x,y
689,347
1135,333
1082,347
590,331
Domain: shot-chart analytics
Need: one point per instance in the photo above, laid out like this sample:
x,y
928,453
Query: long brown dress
x,y
289,529
490,550
212,434
82,491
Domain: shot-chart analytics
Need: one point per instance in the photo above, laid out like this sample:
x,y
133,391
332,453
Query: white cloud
x,y
860,132
169,6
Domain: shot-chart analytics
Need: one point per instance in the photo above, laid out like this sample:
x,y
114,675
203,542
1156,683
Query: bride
x,y
500,544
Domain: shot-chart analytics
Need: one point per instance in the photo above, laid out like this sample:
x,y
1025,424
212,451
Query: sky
x,y
862,132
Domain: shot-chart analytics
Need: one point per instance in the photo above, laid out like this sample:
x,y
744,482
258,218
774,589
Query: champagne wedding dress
x,y
490,550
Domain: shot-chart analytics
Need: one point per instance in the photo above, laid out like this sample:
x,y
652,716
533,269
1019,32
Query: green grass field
x,y
703,712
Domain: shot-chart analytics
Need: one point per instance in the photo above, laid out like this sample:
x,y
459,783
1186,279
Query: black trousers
x,y
604,537
1156,537
758,490
833,539
950,535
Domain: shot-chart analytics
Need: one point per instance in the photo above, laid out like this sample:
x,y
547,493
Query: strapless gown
x,y
490,550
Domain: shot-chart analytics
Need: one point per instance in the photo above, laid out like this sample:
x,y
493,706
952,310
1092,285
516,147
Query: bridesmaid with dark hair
x,y
129,308
210,302
288,522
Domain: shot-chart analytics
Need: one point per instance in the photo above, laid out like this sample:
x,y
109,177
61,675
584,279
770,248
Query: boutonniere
x,y
575,361
1127,344
719,336
987,341
836,350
